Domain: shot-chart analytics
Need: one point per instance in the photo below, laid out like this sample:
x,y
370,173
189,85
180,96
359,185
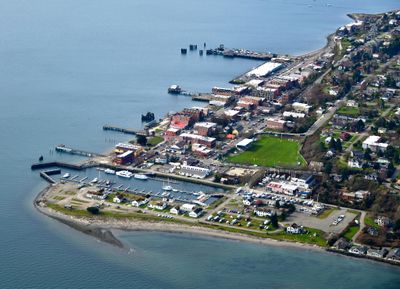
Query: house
x,y
247,201
355,163
302,107
175,210
345,136
358,250
117,200
139,202
262,212
351,103
342,244
382,221
394,255
372,232
295,229
377,253
157,205
196,213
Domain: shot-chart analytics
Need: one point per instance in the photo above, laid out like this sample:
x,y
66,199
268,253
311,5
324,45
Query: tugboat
x,y
149,116
174,89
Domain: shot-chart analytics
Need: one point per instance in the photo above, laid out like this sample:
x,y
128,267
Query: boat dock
x,y
240,53
64,149
47,175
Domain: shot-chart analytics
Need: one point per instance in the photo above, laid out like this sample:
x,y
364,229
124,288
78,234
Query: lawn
x,y
155,140
350,232
370,222
349,111
270,152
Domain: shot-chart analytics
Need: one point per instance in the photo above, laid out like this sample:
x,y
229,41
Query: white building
x,y
197,172
372,142
293,114
188,207
264,69
196,213
303,107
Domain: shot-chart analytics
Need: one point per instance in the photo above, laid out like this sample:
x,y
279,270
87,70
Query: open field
x,y
349,111
270,152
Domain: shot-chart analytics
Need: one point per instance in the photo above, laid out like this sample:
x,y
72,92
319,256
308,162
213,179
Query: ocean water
x,y
69,67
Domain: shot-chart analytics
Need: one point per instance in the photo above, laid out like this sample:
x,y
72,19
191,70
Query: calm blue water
x,y
68,67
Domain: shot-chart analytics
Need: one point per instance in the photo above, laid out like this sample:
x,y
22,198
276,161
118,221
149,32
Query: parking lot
x,y
323,224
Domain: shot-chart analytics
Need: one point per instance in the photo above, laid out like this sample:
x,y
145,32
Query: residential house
x,y
196,213
358,250
294,229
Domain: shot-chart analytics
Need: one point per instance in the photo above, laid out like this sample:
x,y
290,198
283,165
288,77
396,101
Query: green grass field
x,y
350,232
270,152
349,111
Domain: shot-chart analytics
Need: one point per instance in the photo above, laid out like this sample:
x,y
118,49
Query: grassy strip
x,y
326,213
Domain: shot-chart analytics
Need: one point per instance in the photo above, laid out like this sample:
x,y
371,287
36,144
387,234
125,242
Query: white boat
x,y
167,187
124,174
109,171
66,175
140,176
95,180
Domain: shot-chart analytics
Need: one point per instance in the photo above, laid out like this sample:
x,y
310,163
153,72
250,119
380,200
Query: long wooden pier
x,y
120,129
72,151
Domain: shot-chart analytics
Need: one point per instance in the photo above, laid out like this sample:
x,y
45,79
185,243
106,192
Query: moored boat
x,y
140,176
124,174
109,171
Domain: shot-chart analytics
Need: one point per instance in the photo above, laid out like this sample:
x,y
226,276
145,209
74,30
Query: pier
x,y
120,129
240,53
64,149
47,175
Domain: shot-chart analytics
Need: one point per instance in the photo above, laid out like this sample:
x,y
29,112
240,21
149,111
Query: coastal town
x,y
299,149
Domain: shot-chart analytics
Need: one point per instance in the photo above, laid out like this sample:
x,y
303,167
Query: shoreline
x,y
104,231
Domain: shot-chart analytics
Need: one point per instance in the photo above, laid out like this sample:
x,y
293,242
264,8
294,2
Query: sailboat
x,y
167,187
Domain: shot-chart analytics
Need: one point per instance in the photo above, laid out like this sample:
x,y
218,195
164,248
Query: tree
x,y
274,220
141,139
328,167
93,210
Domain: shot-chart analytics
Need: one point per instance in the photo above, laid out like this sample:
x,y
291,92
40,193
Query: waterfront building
x,y
194,171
